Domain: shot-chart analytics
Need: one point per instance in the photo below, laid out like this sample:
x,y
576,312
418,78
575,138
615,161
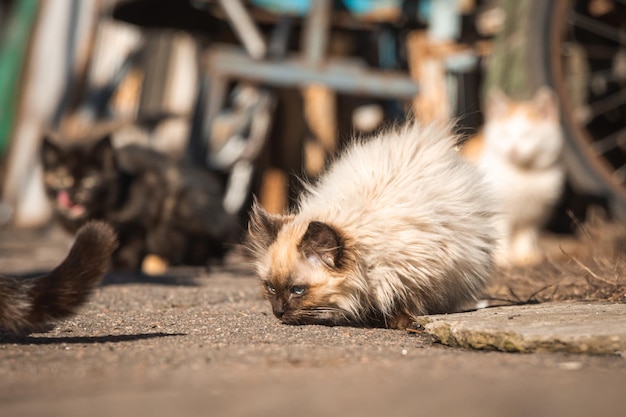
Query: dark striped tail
x,y
28,305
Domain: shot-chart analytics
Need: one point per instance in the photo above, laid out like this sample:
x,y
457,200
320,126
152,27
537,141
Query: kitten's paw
x,y
527,258
154,265
526,254
400,321
524,249
512,259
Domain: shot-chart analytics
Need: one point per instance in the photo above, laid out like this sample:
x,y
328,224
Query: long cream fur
x,y
416,225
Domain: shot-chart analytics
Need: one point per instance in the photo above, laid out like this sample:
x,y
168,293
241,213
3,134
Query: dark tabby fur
x,y
30,304
157,206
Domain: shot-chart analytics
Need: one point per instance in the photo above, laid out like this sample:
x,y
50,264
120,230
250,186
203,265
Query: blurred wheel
x,y
582,50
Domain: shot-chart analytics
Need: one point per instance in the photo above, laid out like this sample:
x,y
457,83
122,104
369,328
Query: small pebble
x,y
570,366
404,352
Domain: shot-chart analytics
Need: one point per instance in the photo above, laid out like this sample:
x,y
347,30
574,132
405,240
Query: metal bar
x,y
343,75
609,142
316,31
244,28
607,104
217,89
599,28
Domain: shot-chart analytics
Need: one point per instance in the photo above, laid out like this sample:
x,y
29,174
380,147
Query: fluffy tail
x,y
28,305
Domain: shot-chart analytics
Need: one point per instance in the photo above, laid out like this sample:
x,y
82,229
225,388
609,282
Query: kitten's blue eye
x,y
270,287
298,289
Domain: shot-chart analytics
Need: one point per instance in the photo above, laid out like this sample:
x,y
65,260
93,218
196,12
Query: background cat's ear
x,y
263,227
321,243
496,104
50,152
104,151
546,103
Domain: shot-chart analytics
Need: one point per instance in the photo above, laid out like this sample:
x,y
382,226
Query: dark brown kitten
x,y
30,304
157,206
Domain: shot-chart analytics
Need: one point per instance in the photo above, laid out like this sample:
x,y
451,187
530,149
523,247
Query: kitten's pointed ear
x,y
322,243
50,152
105,152
546,103
496,104
263,228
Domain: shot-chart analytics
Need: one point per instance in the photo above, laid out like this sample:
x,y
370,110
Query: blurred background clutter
x,y
262,92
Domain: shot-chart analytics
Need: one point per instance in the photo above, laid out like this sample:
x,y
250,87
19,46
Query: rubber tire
x,y
588,174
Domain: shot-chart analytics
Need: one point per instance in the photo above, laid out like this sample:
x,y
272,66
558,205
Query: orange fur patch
x,y
473,147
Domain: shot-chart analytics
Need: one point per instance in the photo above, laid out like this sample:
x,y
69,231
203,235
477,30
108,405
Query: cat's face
x,y
527,133
78,177
302,270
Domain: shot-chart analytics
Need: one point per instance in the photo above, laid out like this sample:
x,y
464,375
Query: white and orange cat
x,y
520,152
398,226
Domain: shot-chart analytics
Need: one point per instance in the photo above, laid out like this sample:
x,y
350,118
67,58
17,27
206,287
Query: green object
x,y
14,41
508,65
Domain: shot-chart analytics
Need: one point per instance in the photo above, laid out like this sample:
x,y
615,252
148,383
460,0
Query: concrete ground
x,y
197,343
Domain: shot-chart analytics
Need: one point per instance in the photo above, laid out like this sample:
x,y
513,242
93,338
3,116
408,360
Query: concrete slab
x,y
594,328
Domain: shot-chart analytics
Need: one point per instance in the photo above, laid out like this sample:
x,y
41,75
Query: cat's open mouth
x,y
70,208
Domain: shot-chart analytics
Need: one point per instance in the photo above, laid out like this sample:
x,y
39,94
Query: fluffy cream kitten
x,y
520,154
398,226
